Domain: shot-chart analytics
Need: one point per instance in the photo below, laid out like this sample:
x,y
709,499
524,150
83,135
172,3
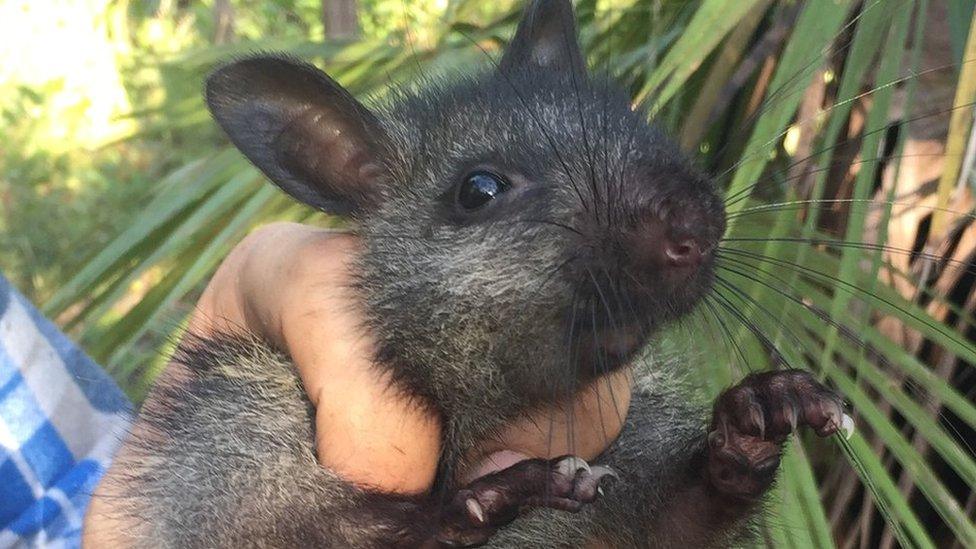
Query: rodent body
x,y
525,233
243,472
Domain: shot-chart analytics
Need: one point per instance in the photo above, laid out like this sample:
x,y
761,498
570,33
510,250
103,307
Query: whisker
x,y
850,336
846,331
814,241
745,192
799,205
764,147
772,352
849,288
730,339
751,302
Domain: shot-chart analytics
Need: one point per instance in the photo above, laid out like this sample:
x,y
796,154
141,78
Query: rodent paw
x,y
752,420
476,511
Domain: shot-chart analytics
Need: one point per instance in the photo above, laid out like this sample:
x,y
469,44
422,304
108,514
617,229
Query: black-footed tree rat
x,y
525,232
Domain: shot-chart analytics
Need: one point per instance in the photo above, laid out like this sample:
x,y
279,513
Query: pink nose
x,y
683,253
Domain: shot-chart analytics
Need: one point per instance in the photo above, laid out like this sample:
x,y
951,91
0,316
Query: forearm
x,y
291,285
247,292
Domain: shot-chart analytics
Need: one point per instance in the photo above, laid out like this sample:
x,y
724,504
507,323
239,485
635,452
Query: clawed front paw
x,y
752,420
492,501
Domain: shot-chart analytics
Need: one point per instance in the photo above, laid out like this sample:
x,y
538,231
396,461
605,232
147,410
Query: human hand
x,y
292,285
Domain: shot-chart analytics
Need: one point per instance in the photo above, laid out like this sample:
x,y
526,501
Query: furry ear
x,y
545,38
302,129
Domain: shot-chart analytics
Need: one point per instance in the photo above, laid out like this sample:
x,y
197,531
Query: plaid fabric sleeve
x,y
61,420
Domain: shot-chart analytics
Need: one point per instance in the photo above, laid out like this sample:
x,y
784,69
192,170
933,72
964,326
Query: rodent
x,y
525,232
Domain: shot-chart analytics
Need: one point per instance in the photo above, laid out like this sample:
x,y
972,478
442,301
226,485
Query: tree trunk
x,y
340,19
223,22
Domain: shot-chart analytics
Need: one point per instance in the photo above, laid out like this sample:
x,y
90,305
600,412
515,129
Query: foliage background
x,y
841,129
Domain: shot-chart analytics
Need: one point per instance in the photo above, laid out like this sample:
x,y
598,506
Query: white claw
x,y
604,471
475,509
791,418
847,426
571,465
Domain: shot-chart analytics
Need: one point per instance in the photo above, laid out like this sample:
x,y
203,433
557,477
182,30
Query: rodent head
x,y
525,229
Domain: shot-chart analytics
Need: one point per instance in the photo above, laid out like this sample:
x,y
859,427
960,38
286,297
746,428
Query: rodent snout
x,y
676,249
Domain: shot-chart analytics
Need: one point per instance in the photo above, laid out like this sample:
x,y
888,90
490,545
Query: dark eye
x,y
480,188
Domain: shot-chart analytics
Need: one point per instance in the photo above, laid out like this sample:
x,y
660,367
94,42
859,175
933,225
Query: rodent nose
x,y
676,252
686,252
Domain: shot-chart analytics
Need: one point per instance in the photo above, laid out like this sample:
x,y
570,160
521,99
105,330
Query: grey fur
x,y
476,313
229,462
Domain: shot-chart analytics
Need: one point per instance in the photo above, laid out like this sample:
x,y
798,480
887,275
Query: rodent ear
x,y
545,38
302,129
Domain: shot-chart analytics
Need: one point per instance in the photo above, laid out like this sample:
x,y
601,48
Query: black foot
x,y
492,501
752,420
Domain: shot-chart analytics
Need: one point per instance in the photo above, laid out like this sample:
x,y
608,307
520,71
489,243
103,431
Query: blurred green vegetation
x,y
838,129
90,90
106,102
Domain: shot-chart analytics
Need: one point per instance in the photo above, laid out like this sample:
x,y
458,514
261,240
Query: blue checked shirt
x,y
61,420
